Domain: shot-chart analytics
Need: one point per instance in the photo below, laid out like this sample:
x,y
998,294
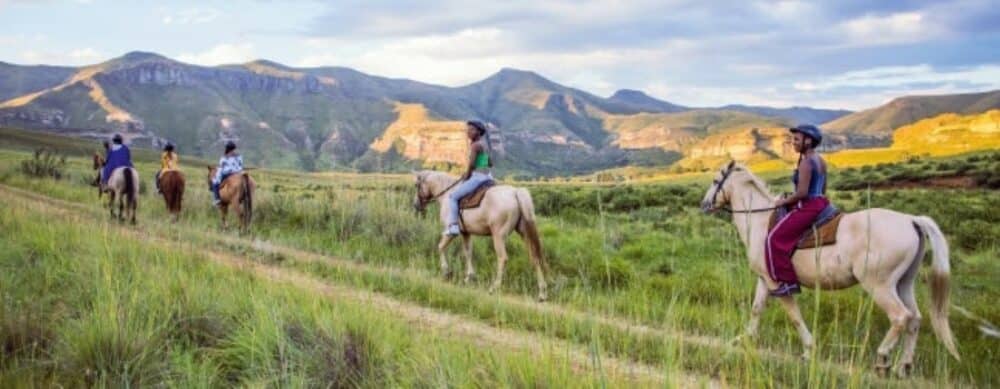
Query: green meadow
x,y
640,280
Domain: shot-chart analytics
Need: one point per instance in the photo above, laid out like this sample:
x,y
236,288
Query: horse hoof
x,y
882,371
905,370
446,274
492,290
543,298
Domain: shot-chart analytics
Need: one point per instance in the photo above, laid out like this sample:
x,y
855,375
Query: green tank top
x,y
482,160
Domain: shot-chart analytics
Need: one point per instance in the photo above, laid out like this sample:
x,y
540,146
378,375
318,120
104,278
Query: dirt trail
x,y
426,319
722,345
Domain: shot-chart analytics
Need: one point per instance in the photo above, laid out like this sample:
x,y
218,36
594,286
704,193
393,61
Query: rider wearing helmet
x,y
118,156
168,161
806,203
230,163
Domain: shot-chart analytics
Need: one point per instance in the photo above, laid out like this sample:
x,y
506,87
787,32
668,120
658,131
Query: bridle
x,y
718,188
426,200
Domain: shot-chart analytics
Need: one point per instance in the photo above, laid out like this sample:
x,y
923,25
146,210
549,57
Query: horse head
x,y
424,194
98,161
211,173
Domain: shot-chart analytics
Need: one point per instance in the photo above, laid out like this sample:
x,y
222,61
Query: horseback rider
x,y
168,161
230,163
118,156
478,172
806,203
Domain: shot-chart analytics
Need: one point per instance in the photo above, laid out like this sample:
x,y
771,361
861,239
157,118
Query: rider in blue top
x,y
118,156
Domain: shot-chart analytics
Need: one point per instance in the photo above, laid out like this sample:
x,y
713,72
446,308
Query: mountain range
x,y
340,118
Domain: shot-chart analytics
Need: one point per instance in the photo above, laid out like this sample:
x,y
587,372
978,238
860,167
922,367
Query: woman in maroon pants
x,y
806,204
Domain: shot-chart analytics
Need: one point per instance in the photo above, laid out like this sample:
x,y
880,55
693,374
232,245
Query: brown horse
x,y
172,187
236,192
504,209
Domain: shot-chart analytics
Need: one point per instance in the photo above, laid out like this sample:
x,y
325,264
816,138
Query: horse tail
x,y
526,224
246,200
940,280
130,187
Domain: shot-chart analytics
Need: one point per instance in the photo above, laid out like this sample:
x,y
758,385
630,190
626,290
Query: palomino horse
x,y
877,248
172,187
236,192
503,209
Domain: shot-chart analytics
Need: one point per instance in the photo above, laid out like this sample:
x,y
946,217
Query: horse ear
x,y
731,164
209,167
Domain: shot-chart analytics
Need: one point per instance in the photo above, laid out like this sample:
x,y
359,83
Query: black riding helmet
x,y
168,147
230,146
117,139
811,131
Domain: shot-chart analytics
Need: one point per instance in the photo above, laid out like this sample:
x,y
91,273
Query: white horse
x,y
504,209
879,249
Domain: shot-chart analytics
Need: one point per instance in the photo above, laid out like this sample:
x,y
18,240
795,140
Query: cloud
x,y
897,28
901,76
191,16
221,54
75,57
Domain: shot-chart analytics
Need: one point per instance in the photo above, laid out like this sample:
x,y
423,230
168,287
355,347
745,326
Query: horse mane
x,y
755,181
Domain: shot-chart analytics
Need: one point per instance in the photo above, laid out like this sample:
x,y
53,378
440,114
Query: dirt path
x,y
426,319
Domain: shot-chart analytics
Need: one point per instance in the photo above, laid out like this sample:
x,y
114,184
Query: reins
x,y
718,188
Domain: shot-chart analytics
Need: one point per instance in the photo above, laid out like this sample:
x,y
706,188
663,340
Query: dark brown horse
x,y
172,187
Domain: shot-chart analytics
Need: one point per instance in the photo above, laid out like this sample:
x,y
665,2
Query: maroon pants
x,y
785,236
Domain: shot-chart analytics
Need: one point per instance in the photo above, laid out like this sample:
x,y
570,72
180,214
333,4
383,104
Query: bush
x,y
45,164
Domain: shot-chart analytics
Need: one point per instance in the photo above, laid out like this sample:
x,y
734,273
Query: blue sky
x,y
837,54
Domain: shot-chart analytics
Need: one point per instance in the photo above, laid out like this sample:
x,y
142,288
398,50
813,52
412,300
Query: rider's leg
x,y
462,190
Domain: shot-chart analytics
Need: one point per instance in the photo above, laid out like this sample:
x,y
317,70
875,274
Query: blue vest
x,y
116,159
816,182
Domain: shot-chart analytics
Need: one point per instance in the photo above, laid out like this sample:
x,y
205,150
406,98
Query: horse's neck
x,y
752,226
442,185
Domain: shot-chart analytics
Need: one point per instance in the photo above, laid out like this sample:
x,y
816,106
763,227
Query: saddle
x,y
476,197
826,226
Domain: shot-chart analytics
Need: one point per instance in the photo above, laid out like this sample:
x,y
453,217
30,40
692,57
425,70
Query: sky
x,y
829,54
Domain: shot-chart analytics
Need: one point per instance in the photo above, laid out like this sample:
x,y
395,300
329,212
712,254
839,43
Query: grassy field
x,y
640,279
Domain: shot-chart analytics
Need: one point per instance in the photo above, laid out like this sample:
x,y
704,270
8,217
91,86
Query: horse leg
x,y
121,207
757,308
905,290
792,308
500,246
899,318
536,261
224,211
470,272
442,248
111,203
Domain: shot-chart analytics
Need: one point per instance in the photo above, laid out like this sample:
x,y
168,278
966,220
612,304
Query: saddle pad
x,y
827,232
473,200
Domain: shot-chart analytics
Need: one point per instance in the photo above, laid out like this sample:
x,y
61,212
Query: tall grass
x,y
659,263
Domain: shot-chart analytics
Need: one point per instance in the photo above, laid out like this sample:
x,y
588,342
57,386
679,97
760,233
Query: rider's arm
x,y
473,152
802,188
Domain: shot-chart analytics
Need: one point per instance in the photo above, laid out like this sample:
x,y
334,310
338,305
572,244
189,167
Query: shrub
x,y
45,163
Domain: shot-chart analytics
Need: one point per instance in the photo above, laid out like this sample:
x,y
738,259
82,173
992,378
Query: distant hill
x,y
950,133
339,118
875,126
795,115
644,102
17,80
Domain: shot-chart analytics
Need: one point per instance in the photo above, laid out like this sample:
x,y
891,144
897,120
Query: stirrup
x,y
452,230
786,289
